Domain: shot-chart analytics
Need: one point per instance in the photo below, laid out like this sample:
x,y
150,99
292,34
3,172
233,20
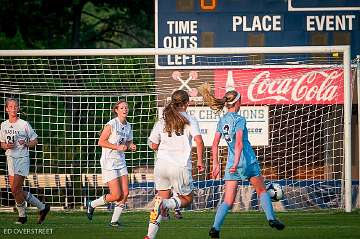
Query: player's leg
x,y
156,214
114,195
165,194
162,174
178,201
21,169
15,188
120,205
225,206
265,202
20,204
180,179
177,212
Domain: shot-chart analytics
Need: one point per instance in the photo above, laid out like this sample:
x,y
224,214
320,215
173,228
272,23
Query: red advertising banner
x,y
283,85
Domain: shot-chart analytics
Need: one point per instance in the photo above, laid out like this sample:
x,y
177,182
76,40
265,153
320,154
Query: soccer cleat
x,y
213,233
21,220
90,210
43,213
178,214
156,211
146,237
114,224
277,224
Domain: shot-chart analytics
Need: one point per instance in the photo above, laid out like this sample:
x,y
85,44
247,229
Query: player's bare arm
x,y
238,149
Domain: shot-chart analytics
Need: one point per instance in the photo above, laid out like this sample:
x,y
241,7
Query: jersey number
x,y
10,139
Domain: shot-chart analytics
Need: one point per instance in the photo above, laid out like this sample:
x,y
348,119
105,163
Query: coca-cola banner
x,y
283,85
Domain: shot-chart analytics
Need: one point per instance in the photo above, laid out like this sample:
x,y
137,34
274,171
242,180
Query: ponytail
x,y
174,120
229,99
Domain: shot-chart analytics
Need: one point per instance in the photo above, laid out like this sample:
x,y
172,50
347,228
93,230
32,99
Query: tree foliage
x,y
47,24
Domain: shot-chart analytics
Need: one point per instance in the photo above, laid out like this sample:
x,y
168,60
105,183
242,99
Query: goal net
x,y
296,102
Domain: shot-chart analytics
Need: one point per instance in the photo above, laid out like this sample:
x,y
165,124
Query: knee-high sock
x,y
34,201
99,202
266,205
117,212
220,215
21,209
154,227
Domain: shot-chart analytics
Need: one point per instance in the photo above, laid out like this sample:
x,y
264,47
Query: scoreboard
x,y
250,23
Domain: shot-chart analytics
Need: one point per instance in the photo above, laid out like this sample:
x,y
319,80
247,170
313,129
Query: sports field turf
x,y
309,225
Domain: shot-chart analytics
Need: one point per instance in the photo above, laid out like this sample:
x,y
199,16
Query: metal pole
x,y
347,128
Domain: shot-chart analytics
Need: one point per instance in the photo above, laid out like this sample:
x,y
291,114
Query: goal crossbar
x,y
175,51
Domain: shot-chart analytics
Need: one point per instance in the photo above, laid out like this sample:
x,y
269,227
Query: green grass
x,y
67,225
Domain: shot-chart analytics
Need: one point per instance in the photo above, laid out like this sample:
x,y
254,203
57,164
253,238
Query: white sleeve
x,y
195,128
30,132
155,133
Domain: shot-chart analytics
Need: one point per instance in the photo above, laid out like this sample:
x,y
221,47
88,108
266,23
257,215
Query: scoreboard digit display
x,y
249,23
323,5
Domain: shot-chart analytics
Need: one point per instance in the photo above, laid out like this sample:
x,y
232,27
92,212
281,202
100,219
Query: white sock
x,y
21,209
34,201
117,212
172,203
99,202
153,228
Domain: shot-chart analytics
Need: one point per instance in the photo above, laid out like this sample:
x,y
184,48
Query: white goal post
x,y
6,90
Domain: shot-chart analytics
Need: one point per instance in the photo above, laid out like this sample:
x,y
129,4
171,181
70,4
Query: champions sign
x,y
257,122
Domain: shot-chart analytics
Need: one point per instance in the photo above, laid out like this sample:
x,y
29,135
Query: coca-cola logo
x,y
263,87
288,86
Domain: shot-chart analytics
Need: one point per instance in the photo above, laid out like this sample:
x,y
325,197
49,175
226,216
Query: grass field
x,y
309,225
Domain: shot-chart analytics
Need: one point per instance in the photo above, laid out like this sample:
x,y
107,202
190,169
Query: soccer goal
x,y
297,102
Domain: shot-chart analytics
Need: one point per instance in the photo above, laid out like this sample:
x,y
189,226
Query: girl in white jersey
x,y
16,137
172,138
115,139
241,159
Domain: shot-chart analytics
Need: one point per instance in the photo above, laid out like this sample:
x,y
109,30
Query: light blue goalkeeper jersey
x,y
228,125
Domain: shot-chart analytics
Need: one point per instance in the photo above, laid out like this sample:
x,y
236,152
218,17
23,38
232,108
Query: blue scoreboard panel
x,y
247,23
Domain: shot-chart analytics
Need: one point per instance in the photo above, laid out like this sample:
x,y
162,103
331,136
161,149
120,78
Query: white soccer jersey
x,y
175,150
120,134
13,133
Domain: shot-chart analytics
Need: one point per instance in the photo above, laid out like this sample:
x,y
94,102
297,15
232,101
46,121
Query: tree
x,y
35,24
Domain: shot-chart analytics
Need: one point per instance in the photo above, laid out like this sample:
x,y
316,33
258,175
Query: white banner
x,y
257,118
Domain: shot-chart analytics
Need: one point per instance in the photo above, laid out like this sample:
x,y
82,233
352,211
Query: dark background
x,y
49,24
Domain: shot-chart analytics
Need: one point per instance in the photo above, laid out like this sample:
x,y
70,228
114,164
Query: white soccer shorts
x,y
179,179
19,166
108,175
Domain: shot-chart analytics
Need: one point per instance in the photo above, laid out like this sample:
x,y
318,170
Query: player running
x,y
172,138
115,139
16,137
241,159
